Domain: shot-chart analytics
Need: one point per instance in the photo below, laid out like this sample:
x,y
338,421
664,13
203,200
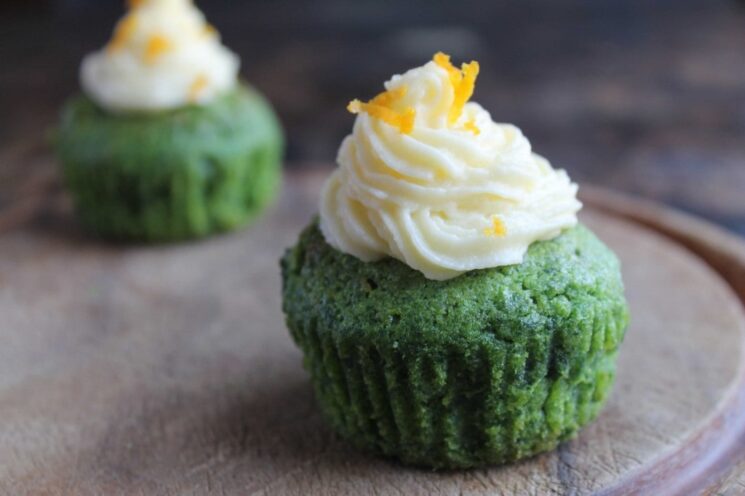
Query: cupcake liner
x,y
452,407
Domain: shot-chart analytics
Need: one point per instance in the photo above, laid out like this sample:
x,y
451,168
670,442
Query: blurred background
x,y
644,96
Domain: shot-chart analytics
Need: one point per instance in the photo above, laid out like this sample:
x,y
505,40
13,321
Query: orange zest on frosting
x,y
497,228
443,61
463,81
441,175
381,107
123,33
157,45
470,125
197,87
388,98
210,30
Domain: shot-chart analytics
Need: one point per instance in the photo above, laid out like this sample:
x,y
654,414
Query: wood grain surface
x,y
168,369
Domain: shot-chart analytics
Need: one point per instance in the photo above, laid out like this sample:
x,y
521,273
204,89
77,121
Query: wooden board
x,y
168,370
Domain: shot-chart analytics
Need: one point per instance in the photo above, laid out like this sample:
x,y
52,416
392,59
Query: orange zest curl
x,y
463,81
157,45
123,33
197,87
443,61
380,107
470,125
497,228
210,30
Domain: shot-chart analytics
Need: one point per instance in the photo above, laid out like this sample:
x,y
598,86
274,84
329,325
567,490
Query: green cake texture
x,y
170,175
489,367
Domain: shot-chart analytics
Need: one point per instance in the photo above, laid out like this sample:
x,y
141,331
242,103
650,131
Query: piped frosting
x,y
162,55
427,177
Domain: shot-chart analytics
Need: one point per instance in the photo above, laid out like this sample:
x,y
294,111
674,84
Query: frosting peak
x,y
162,55
428,178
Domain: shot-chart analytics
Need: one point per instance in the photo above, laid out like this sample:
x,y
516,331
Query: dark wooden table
x,y
637,95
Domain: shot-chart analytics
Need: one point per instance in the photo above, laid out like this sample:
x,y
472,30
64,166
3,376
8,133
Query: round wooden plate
x,y
168,369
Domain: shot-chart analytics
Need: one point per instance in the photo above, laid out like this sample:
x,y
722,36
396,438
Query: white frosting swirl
x,y
163,55
445,198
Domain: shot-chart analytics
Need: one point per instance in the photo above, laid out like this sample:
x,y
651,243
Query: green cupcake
x,y
173,175
165,144
488,367
451,312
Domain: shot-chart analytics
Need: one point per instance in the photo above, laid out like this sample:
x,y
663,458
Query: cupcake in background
x,y
451,310
165,143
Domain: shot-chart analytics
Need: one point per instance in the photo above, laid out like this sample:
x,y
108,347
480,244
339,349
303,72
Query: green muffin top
x,y
561,285
232,122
